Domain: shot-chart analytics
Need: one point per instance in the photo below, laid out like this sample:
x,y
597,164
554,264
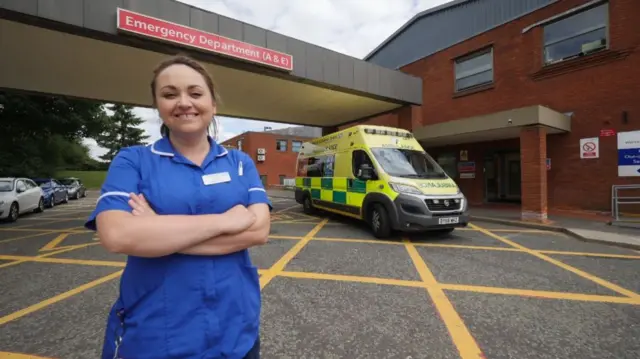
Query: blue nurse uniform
x,y
183,306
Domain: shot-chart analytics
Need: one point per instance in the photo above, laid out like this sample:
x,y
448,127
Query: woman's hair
x,y
187,61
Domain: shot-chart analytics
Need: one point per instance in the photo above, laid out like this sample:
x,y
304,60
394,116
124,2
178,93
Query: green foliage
x,y
42,134
121,131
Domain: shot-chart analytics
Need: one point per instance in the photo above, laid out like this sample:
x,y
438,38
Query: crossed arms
x,y
144,233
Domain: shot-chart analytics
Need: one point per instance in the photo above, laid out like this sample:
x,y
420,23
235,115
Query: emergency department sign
x,y
629,154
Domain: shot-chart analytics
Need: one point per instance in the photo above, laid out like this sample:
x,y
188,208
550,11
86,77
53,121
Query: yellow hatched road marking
x,y
583,274
460,335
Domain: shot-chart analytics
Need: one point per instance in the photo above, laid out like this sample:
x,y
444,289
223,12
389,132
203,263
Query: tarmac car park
x,y
330,289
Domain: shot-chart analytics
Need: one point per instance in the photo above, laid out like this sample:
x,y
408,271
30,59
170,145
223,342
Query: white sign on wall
x,y
589,147
629,154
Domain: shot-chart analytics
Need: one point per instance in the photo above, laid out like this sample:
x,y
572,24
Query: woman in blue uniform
x,y
185,210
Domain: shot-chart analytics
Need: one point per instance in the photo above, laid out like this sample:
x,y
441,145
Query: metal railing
x,y
617,200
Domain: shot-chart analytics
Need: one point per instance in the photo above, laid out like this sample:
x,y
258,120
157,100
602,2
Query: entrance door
x,y
513,176
490,179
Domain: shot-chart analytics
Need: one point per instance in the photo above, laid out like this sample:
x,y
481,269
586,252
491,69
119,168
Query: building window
x,y
449,164
296,145
281,145
282,178
474,70
577,35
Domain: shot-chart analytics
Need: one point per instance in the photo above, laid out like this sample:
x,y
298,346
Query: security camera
x,y
510,121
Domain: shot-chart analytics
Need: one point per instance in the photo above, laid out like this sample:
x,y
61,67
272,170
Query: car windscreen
x,y
400,162
6,186
68,182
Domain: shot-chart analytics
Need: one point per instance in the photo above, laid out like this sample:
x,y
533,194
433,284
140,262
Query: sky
x,y
351,27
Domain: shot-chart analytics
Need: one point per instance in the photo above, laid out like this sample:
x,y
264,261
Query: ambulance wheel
x,y
379,221
307,206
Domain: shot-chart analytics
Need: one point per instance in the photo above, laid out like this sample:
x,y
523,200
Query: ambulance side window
x,y
314,168
359,158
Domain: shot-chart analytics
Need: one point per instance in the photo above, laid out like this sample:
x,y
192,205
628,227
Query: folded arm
x,y
255,235
155,236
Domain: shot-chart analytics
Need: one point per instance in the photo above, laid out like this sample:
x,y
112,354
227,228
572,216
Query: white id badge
x,y
216,178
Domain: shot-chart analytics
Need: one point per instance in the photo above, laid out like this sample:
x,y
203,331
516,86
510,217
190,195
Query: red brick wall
x,y
596,88
276,163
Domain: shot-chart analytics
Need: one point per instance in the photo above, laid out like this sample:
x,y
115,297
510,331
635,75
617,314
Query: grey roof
x,y
300,131
443,26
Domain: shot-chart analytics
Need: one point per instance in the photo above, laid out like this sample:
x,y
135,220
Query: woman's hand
x,y
140,205
240,219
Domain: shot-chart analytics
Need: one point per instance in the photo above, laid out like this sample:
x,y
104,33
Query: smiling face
x,y
184,100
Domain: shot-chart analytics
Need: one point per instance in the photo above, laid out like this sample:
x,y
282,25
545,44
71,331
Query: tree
x,y
42,134
121,131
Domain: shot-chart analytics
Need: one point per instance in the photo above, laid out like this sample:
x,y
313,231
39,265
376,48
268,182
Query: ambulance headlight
x,y
403,188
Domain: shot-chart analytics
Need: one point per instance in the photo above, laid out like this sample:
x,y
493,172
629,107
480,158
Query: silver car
x,y
19,195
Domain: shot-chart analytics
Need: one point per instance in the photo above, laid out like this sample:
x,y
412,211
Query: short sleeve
x,y
122,179
257,192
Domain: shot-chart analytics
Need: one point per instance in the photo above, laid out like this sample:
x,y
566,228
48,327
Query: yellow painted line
x,y
54,242
541,294
351,278
7,355
278,267
356,240
45,303
87,262
460,335
287,209
60,250
583,274
24,237
592,254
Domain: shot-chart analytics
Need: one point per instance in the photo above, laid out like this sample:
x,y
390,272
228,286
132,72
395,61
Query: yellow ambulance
x,y
380,175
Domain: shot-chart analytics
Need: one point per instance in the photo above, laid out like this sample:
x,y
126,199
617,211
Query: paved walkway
x,y
590,230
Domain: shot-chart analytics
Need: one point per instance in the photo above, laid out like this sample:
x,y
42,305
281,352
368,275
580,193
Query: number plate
x,y
448,220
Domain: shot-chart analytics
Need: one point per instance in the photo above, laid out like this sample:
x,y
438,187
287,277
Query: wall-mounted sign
x,y
590,147
606,132
148,26
464,155
468,175
466,166
629,154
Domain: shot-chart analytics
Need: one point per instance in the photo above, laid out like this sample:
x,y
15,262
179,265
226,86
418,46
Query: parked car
x,y
75,187
54,192
18,196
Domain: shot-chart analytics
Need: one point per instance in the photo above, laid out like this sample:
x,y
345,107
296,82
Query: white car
x,y
18,196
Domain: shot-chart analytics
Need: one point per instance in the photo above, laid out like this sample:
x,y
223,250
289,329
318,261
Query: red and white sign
x,y
606,132
589,147
148,26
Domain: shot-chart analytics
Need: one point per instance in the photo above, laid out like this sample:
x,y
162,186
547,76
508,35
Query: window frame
x,y
584,30
286,145
468,57
293,142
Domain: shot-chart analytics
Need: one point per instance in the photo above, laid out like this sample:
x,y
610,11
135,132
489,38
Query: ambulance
x,y
380,175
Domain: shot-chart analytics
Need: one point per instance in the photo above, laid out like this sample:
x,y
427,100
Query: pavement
x,y
596,229
331,290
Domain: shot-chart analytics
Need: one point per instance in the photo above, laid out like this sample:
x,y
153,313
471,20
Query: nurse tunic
x,y
183,306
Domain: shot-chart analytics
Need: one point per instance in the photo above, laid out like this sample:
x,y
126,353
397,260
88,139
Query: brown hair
x,y
196,66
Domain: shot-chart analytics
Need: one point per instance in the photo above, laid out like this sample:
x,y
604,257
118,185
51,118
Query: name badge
x,y
216,178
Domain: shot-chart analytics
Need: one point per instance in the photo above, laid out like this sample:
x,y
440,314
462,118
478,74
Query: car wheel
x,y
379,221
66,198
307,205
40,206
14,212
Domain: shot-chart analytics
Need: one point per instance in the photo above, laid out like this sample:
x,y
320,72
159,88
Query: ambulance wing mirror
x,y
365,172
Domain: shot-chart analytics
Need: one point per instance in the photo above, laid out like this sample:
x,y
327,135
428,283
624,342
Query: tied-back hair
x,y
182,59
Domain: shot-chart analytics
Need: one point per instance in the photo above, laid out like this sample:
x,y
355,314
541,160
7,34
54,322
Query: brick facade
x,y
277,163
600,89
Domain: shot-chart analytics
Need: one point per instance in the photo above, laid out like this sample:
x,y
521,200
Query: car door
x,y
34,193
22,192
59,189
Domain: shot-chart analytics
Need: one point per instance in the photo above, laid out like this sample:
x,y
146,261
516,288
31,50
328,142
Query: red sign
x,y
607,132
148,26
